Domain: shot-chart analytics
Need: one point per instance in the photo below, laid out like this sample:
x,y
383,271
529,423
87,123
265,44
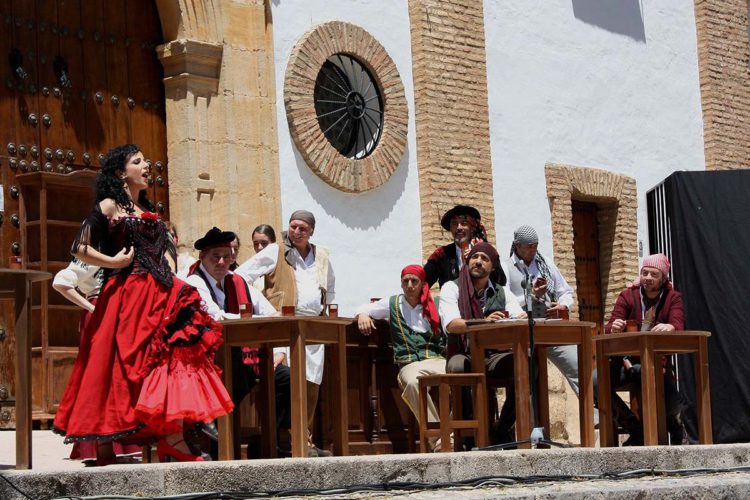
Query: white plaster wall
x,y
373,235
612,85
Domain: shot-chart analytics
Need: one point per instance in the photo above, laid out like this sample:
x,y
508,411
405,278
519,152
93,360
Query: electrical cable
x,y
14,487
478,482
484,481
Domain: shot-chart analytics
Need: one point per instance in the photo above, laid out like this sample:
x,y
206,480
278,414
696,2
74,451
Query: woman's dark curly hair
x,y
110,185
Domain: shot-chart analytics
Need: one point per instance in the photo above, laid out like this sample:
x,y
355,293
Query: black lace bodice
x,y
149,239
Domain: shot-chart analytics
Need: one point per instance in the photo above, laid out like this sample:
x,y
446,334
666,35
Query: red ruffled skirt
x,y
145,363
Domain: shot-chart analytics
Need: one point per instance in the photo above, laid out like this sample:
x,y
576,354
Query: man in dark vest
x,y
417,339
465,225
224,293
652,304
475,296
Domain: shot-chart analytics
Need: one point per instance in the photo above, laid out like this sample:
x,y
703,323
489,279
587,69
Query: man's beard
x,y
478,272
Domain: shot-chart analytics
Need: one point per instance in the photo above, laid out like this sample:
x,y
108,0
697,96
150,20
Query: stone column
x,y
221,125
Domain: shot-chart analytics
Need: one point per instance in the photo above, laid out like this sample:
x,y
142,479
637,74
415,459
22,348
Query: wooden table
x,y
295,332
16,284
651,346
547,333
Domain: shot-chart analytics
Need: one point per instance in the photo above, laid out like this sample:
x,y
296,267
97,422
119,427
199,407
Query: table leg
x,y
586,389
542,391
478,366
661,416
606,417
648,394
298,373
340,406
226,422
703,393
268,396
523,401
23,374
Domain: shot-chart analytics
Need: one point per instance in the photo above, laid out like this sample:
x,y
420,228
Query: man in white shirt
x,y
298,274
224,294
548,287
475,296
417,339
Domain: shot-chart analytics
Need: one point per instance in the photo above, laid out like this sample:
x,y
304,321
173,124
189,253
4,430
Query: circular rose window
x,y
346,107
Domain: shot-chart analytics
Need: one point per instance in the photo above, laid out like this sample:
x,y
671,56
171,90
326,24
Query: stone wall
x,y
722,30
450,94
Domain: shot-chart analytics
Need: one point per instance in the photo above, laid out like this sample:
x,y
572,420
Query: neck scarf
x,y
429,311
468,303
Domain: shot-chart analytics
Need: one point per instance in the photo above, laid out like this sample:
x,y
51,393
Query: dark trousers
x,y
498,365
620,376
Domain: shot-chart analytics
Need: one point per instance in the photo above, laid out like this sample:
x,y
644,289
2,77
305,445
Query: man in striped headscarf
x,y
548,286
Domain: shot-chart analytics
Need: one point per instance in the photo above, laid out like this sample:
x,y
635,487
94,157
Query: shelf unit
x,y
52,207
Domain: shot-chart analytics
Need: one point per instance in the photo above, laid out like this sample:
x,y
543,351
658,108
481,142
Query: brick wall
x,y
452,119
725,84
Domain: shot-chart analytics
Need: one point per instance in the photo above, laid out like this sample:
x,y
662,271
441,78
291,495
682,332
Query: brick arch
x,y
616,198
309,54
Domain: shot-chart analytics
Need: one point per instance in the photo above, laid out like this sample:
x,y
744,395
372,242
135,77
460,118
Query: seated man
x,y
548,287
465,225
657,307
223,292
475,296
418,342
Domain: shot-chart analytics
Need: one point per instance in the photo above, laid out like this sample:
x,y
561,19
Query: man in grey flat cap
x,y
299,274
548,288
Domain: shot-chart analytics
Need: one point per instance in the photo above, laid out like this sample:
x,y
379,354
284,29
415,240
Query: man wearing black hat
x,y
465,225
298,274
474,295
224,293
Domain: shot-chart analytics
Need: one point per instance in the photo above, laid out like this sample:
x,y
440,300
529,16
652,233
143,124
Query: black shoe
x,y
635,438
282,453
210,430
314,451
678,434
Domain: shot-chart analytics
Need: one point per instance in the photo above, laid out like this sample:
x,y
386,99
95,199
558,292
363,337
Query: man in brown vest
x,y
298,274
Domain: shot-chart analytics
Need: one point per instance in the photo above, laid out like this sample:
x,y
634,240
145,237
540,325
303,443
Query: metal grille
x,y
349,106
659,226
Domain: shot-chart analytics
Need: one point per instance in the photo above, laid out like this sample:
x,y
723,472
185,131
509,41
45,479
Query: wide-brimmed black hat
x,y
458,210
214,237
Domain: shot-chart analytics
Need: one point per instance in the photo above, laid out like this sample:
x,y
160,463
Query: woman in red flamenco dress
x,y
145,364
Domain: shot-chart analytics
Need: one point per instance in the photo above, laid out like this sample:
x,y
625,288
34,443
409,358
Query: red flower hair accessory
x,y
150,216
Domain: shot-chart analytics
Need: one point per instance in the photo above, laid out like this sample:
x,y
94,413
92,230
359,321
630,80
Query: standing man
x,y
655,306
548,288
475,296
465,225
224,293
299,274
418,342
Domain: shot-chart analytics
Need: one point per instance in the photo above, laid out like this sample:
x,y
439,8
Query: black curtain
x,y
709,216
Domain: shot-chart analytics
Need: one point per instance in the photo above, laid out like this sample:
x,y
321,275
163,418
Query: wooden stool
x,y
446,384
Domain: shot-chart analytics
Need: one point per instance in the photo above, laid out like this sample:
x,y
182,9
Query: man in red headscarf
x,y
418,341
653,305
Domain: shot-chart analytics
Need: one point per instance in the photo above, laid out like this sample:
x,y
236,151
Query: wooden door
x,y
586,249
78,77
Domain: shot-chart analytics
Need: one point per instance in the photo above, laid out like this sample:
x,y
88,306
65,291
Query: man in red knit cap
x,y
654,305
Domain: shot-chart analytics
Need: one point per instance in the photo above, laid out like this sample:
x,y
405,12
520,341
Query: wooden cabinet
x,y
52,208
